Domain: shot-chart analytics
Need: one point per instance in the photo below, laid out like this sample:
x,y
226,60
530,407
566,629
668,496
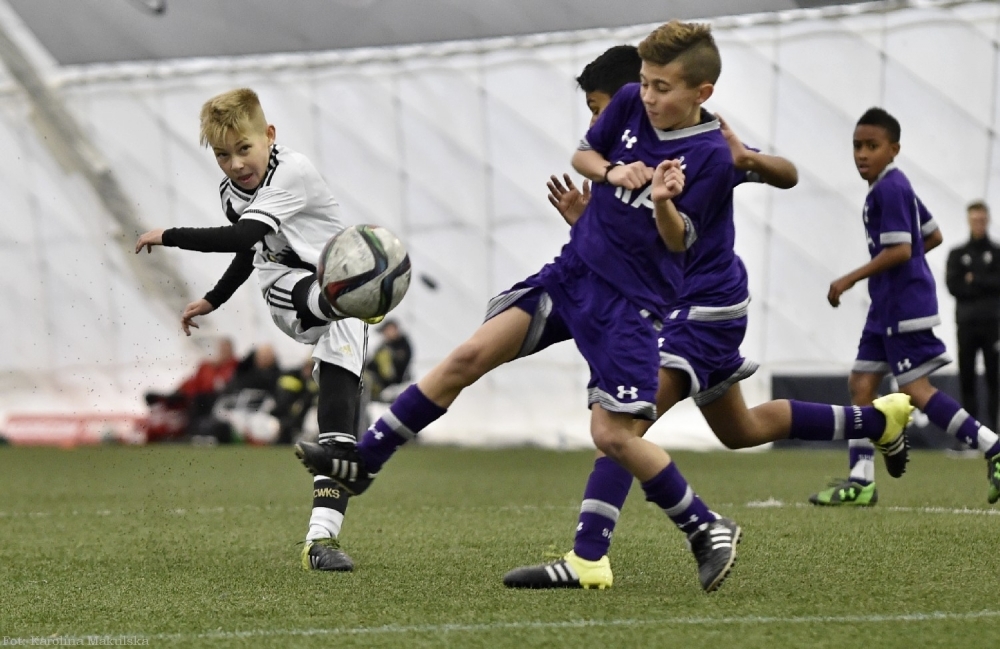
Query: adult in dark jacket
x,y
973,277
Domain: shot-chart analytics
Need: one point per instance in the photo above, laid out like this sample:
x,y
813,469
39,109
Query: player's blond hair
x,y
690,44
233,111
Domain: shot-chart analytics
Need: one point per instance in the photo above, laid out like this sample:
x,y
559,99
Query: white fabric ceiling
x,y
90,31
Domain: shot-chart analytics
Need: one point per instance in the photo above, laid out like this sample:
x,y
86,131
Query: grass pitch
x,y
192,547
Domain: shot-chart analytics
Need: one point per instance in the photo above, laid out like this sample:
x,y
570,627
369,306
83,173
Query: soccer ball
x,y
364,271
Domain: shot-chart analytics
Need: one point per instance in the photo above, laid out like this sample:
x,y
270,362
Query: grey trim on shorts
x,y
639,409
918,324
893,238
539,318
537,326
746,370
871,367
502,302
923,369
675,362
719,313
601,508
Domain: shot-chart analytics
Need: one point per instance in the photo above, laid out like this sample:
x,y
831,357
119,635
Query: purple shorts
x,y
616,338
546,328
709,352
909,356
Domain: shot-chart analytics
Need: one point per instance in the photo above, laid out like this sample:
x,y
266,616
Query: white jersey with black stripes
x,y
296,203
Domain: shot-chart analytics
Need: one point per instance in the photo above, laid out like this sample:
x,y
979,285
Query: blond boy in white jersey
x,y
281,214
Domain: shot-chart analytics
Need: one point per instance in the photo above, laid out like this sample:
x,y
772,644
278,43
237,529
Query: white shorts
x,y
338,343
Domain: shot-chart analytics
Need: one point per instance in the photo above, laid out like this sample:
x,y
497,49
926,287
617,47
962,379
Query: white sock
x,y
313,303
863,468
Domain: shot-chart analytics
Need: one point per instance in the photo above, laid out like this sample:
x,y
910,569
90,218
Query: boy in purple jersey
x,y
897,335
571,297
700,357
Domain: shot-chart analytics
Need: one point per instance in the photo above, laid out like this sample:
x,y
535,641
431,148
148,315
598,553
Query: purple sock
x,y
670,491
409,414
951,417
816,421
603,498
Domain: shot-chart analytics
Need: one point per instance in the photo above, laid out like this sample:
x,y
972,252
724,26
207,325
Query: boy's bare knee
x,y
732,440
466,363
610,442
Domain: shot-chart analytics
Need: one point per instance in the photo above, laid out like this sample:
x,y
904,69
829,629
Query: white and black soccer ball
x,y
364,271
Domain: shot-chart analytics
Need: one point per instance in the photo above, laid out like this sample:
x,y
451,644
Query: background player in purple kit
x,y
610,289
700,357
897,335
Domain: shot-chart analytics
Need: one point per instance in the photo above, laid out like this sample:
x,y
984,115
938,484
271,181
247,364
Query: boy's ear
x,y
705,91
270,133
895,149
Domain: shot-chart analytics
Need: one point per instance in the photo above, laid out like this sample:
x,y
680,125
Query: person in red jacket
x,y
171,415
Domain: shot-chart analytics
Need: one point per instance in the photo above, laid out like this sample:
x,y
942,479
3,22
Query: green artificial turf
x,y
190,547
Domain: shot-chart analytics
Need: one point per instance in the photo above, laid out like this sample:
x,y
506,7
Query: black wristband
x,y
607,170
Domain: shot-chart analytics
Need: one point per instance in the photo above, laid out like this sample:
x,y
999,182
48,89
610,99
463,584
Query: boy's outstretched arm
x,y
591,164
772,169
883,261
238,272
238,237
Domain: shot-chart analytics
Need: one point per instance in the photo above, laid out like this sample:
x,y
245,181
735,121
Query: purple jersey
x,y
617,238
904,298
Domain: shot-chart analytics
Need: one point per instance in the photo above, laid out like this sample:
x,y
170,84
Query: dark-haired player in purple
x,y
610,289
897,335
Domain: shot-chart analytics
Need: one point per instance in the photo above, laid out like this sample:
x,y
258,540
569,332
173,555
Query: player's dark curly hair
x,y
611,70
876,116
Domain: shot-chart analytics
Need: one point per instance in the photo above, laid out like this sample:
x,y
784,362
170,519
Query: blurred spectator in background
x,y
241,411
389,365
171,414
296,395
973,277
257,371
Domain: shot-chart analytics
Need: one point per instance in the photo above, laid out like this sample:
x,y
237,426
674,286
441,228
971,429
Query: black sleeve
x,y
229,238
237,273
989,280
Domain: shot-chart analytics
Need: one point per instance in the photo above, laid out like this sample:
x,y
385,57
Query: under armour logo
x,y
632,392
628,138
376,433
904,365
684,164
